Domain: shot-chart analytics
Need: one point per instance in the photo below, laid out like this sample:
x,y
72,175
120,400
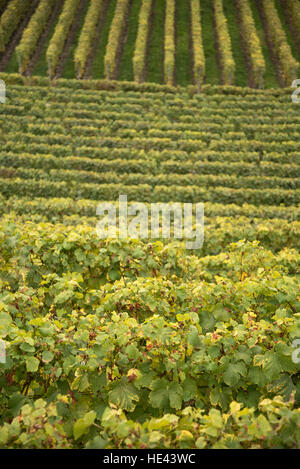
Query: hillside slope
x,y
123,343
242,42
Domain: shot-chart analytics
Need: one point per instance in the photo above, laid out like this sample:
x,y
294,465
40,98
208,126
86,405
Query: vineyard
x,y
125,343
241,42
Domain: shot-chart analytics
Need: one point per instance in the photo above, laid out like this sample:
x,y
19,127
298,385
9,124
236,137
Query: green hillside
x,y
179,326
123,343
241,42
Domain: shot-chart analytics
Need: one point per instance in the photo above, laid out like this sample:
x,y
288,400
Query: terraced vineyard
x,y
123,343
134,342
242,42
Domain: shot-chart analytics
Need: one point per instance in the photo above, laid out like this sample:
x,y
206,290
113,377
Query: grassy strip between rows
x,y
154,72
98,65
182,30
212,72
126,65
